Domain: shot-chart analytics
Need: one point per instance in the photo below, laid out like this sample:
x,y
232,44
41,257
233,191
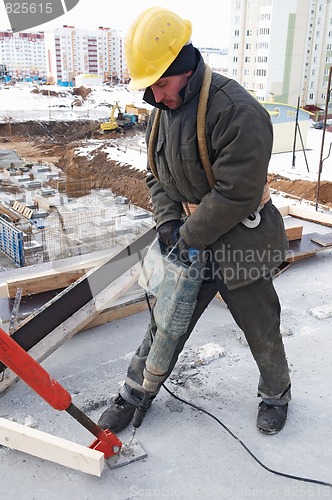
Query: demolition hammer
x,y
175,285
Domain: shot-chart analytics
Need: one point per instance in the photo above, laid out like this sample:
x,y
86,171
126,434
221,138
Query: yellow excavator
x,y
111,124
123,120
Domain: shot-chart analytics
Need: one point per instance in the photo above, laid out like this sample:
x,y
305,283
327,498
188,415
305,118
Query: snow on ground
x,y
305,164
18,103
132,152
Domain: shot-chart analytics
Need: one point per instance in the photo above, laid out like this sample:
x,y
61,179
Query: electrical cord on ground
x,y
278,473
198,408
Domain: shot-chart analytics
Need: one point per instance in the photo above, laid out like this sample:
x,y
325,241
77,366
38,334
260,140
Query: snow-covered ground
x,y
305,163
18,103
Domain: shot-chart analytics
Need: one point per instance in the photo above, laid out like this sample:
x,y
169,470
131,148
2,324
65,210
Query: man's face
x,y
166,90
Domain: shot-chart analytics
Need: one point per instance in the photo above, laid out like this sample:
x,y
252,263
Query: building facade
x,y
282,49
71,52
23,54
61,55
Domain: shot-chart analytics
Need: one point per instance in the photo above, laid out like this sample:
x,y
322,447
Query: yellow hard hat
x,y
152,43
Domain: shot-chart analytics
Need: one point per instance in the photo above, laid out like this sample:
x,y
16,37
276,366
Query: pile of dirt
x,y
83,174
49,131
306,190
55,142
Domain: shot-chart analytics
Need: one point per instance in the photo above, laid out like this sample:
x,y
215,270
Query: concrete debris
x,y
286,331
203,355
29,421
190,360
322,312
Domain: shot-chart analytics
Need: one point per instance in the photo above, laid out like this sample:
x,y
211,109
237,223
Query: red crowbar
x,y
34,375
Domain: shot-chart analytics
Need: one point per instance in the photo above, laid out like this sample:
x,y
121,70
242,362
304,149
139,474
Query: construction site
x,y
74,229
48,213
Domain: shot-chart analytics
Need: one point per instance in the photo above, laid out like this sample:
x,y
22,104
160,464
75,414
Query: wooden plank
x,y
294,232
301,249
120,311
86,314
325,240
80,293
311,215
38,284
76,322
284,210
43,202
49,447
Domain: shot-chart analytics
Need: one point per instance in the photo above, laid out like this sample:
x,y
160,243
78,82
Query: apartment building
x,y
281,50
72,51
23,54
61,55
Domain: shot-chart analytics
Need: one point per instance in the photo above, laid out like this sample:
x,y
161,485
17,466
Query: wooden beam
x,y
77,321
80,293
302,249
283,210
311,215
48,447
38,284
120,311
294,232
325,240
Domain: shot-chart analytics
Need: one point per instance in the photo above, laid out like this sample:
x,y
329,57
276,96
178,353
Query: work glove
x,y
168,233
183,251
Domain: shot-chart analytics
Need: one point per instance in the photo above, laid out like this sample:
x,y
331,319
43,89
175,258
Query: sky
x,y
210,20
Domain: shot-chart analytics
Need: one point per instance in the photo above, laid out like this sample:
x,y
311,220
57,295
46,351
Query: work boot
x,y
271,418
118,416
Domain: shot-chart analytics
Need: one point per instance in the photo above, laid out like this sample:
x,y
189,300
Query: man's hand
x,y
168,233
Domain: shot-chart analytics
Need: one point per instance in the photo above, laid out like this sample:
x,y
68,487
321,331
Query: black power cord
x,y
278,473
198,408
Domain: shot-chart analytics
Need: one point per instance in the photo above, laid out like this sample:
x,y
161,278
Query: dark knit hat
x,y
185,61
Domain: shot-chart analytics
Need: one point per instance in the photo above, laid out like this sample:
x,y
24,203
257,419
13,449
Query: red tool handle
x,y
18,360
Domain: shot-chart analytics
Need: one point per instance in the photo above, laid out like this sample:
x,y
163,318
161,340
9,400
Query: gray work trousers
x,y
256,310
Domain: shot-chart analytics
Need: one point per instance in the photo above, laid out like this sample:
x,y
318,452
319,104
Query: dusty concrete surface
x,y
189,455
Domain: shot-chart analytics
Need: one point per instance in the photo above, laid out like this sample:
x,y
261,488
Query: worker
x,y
232,218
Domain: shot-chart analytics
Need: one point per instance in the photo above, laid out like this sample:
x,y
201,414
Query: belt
x,y
251,221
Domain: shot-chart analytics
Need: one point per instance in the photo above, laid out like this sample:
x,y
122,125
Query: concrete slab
x,y
189,454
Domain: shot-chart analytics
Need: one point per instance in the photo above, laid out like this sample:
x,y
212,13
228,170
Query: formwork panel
x,y
11,242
